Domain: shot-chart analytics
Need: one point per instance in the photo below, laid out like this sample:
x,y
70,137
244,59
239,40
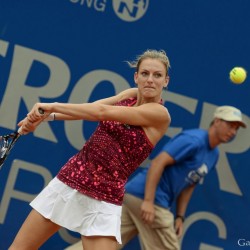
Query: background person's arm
x,y
181,207
155,171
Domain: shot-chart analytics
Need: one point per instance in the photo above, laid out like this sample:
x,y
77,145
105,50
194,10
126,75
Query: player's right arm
x,y
128,93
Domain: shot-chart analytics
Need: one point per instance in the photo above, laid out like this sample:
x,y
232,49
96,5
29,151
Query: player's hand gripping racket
x,y
8,141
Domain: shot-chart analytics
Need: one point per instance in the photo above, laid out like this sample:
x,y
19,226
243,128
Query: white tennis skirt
x,y
77,212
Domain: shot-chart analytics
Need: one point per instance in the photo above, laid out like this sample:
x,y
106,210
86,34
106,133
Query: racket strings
x,y
4,145
12,135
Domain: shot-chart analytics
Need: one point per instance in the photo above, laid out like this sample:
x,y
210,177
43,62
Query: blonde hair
x,y
153,54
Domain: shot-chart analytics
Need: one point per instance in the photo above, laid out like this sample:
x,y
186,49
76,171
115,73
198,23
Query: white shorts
x,y
77,212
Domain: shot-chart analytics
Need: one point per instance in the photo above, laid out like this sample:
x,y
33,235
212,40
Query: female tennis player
x,y
87,193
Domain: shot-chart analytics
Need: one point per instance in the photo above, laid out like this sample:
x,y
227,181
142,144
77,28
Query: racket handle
x,y
19,131
40,110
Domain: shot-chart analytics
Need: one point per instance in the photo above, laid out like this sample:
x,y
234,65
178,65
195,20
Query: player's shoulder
x,y
160,110
156,106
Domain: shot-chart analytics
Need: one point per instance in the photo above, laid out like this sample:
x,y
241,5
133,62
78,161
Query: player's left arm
x,y
126,94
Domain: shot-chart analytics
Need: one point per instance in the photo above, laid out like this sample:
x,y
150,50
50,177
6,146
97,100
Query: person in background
x,y
171,177
86,195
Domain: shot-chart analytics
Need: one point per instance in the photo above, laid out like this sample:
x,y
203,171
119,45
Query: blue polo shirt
x,y
194,158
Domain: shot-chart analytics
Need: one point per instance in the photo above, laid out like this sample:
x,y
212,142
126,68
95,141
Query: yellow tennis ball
x,y
238,75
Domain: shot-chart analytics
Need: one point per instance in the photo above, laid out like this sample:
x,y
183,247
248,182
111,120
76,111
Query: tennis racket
x,y
8,141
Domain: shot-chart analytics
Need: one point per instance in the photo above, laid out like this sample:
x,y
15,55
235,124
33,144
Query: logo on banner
x,y
127,10
131,10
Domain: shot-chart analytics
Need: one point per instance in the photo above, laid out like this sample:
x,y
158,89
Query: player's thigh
x,y
34,232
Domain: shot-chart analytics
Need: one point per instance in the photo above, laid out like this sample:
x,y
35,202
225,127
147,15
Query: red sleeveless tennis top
x,y
102,167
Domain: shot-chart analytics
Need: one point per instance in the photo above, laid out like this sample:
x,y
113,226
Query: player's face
x,y
151,78
227,130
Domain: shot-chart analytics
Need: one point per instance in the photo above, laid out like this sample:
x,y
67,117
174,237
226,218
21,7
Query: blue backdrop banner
x,y
74,51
